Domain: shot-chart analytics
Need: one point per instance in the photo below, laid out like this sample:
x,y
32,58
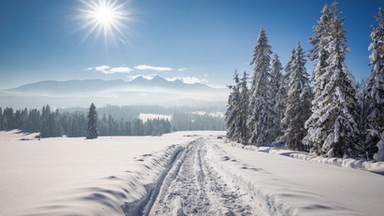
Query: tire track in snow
x,y
193,187
141,206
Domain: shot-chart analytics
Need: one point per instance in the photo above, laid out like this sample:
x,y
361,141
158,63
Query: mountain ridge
x,y
95,85
139,91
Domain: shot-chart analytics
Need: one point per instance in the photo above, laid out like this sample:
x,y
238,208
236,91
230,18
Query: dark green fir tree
x,y
92,123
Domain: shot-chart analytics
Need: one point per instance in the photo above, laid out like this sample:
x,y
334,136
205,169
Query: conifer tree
x,y
288,68
332,128
319,55
375,88
362,118
284,88
243,105
92,123
320,40
1,119
260,106
45,126
298,102
278,98
233,115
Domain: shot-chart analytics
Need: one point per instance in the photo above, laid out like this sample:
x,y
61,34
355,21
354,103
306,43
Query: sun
x,y
105,18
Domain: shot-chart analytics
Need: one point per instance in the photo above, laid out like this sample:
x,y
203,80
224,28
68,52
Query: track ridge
x,y
140,207
194,187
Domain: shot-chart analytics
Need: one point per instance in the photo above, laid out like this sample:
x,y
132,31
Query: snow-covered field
x,y
183,173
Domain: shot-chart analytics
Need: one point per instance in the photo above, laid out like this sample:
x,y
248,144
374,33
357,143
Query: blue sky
x,y
200,40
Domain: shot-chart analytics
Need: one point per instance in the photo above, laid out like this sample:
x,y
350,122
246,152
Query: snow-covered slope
x,y
184,173
66,176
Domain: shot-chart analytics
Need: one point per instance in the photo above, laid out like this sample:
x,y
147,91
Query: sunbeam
x,y
106,18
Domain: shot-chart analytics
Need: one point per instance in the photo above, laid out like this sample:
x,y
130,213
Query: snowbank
x,y
287,186
376,167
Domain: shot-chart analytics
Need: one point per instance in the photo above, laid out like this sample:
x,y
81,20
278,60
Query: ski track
x,y
193,186
202,178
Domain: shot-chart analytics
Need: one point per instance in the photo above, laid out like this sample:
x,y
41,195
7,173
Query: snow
x,y
67,175
149,116
192,173
379,156
307,188
212,114
372,166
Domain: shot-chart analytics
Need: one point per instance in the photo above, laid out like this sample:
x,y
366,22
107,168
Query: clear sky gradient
x,y
199,40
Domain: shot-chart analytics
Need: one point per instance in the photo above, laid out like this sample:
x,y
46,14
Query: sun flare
x,y
104,17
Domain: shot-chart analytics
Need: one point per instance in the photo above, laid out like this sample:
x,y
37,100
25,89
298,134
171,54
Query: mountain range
x,y
139,91
97,85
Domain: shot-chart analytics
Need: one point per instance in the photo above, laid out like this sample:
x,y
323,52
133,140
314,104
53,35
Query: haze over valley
x,y
139,91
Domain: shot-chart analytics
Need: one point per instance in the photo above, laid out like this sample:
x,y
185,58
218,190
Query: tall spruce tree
x,y
233,115
320,40
278,98
260,106
375,88
298,102
319,54
92,123
45,125
332,128
284,88
288,68
243,105
363,111
1,119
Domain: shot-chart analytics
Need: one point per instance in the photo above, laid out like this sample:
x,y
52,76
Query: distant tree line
x,y
74,122
329,115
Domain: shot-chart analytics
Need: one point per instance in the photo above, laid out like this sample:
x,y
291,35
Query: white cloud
x,y
111,70
148,67
108,70
188,79
181,69
102,68
192,79
121,70
159,69
148,77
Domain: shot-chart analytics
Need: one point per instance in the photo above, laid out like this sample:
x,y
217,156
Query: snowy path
x,y
192,186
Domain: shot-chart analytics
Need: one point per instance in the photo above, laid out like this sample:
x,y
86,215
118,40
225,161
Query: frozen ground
x,y
184,173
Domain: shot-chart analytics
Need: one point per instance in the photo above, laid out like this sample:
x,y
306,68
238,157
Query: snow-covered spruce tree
x,y
319,54
288,68
277,90
332,128
232,114
243,105
375,88
362,118
298,103
285,86
320,41
260,107
92,123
